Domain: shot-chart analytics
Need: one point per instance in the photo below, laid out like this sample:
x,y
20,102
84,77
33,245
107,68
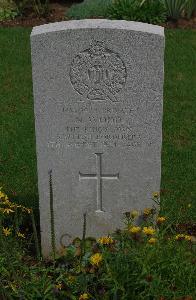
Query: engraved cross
x,y
99,177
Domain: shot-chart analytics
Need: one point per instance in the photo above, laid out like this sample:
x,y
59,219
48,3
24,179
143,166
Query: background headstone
x,y
98,89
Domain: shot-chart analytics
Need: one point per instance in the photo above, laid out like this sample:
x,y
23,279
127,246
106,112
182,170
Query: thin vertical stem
x,y
38,252
1,229
84,234
52,216
99,182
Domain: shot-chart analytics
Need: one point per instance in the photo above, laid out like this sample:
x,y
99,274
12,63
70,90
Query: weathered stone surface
x,y
98,88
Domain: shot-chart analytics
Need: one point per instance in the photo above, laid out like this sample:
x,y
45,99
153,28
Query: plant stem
x,y
38,252
52,217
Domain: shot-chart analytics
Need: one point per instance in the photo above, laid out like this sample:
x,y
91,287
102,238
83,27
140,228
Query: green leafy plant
x,y
180,8
132,263
6,4
123,9
151,11
190,8
41,7
174,8
7,14
20,6
89,8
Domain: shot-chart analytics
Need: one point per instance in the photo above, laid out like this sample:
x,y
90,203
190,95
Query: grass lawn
x,y
17,147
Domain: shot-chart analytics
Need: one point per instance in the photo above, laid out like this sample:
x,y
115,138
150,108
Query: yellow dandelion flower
x,y
134,214
8,211
96,259
156,195
84,296
59,286
149,230
71,279
20,235
8,203
134,229
105,240
6,198
161,220
152,241
187,237
2,195
179,237
7,231
28,210
13,287
147,211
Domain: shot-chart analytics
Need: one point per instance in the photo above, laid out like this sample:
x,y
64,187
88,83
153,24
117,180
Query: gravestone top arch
x,y
98,23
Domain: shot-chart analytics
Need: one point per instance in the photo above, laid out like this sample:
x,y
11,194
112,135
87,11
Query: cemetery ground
x,y
137,263
59,10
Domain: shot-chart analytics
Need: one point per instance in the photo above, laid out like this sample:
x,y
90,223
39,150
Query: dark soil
x,y
182,23
186,228
57,12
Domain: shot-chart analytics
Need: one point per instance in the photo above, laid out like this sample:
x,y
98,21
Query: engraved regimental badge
x,y
98,73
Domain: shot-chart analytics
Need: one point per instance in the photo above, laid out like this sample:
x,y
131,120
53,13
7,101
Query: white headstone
x,y
98,90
